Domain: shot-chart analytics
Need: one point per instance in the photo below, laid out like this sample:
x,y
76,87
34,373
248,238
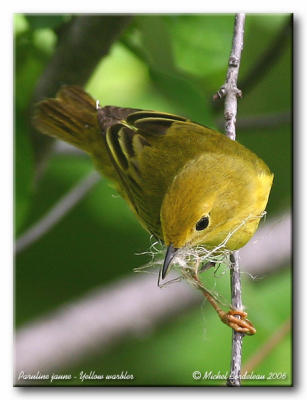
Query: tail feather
x,y
71,116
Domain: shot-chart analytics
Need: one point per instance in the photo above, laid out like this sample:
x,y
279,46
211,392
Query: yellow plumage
x,y
186,183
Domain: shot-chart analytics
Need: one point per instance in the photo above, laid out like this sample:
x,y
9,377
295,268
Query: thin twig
x,y
236,302
230,91
268,58
58,211
268,347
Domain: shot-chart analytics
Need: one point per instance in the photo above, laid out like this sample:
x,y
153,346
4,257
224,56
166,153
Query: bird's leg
x,y
235,319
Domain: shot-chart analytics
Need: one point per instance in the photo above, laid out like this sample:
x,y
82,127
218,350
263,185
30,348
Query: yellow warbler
x,y
186,183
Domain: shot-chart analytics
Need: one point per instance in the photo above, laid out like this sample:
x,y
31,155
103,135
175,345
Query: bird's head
x,y
203,206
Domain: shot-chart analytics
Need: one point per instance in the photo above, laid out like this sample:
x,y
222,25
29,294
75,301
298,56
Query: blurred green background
x,y
172,63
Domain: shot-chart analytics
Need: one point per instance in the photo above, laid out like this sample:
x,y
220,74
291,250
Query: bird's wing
x,y
132,144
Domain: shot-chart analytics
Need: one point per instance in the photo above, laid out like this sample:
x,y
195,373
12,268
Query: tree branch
x,y
236,302
82,44
268,58
230,91
267,347
57,212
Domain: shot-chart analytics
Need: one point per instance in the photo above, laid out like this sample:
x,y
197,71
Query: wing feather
x,y
130,143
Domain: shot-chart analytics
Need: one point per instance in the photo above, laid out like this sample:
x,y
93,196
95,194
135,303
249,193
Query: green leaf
x,y
31,57
156,42
201,43
190,101
20,23
180,88
45,40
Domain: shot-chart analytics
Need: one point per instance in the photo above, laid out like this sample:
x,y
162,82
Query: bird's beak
x,y
170,253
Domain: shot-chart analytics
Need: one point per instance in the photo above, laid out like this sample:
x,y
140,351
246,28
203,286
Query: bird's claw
x,y
242,325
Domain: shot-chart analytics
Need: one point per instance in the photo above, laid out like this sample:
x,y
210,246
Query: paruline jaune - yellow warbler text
x,y
187,184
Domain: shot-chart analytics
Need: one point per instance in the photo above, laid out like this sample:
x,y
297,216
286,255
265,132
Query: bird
x,y
187,184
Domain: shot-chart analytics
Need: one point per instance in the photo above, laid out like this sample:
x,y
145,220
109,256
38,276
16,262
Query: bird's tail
x,y
71,116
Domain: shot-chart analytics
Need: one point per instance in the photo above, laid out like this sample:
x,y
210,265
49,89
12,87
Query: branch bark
x,y
230,91
236,302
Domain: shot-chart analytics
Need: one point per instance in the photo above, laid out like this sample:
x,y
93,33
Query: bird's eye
x,y
202,224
